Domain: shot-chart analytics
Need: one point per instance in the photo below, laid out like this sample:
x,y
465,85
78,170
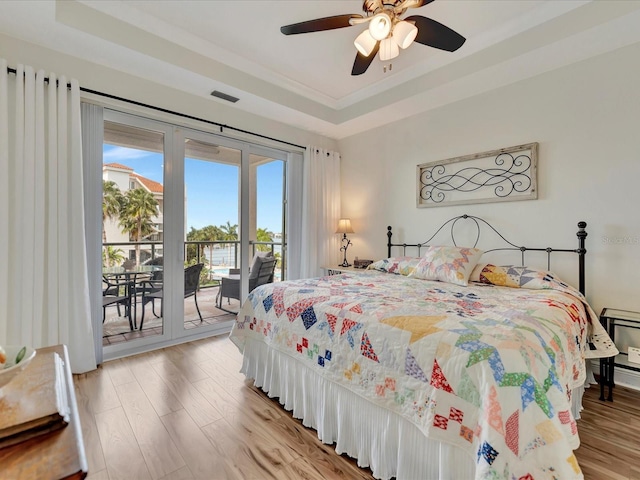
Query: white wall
x,y
586,118
114,82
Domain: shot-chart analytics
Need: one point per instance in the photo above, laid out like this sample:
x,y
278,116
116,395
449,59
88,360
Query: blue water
x,y
221,271
224,256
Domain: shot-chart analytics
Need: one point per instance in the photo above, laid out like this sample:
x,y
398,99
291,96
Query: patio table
x,y
130,279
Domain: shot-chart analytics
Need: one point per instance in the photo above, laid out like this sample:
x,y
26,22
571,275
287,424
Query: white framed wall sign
x,y
503,175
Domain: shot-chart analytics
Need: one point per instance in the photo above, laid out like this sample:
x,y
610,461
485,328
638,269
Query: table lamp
x,y
344,227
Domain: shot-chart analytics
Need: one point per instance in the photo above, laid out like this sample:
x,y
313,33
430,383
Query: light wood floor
x,y
185,412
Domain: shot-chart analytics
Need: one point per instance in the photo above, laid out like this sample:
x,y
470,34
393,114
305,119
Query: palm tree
x,y
211,233
229,233
111,204
264,235
135,218
111,256
194,235
207,234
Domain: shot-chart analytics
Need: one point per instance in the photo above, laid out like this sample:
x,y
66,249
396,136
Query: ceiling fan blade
x,y
361,63
435,34
319,24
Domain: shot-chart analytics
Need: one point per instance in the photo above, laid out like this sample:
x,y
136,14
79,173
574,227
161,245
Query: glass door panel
x,y
212,218
132,233
266,211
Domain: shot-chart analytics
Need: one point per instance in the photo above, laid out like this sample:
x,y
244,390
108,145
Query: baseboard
x,y
622,376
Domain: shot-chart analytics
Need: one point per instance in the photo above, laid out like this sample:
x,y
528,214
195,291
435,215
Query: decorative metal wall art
x,y
501,175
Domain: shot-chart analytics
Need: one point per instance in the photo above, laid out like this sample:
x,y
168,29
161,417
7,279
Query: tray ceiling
x,y
304,80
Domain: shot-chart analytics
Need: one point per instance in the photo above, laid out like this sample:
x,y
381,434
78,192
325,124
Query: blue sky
x,y
212,188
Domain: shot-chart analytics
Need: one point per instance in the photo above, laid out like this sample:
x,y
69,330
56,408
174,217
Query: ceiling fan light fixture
x,y
380,26
365,43
388,49
404,33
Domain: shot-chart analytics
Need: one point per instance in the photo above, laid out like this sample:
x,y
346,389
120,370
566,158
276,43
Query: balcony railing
x,y
225,254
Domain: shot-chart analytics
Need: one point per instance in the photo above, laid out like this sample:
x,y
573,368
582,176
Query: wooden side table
x,y
54,455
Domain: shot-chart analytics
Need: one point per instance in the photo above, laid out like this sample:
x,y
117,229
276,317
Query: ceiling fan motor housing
x,y
370,6
375,6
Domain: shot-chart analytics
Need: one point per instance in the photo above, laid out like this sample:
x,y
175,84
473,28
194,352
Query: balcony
x,y
218,258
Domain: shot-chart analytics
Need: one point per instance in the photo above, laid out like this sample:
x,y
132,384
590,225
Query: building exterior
x,y
126,179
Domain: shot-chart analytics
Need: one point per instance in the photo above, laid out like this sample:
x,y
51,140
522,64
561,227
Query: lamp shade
x,y
344,226
365,43
380,26
388,49
404,33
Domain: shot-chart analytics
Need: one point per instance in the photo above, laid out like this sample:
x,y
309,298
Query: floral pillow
x,y
398,265
447,264
516,277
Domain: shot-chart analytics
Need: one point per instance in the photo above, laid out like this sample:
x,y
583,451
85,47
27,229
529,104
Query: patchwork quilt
x,y
487,368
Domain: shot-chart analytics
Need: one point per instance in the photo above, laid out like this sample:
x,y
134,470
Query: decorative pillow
x,y
398,265
516,277
447,264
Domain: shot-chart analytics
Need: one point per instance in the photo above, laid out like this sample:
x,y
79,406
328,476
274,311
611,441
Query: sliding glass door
x,y
267,198
212,181
133,200
184,214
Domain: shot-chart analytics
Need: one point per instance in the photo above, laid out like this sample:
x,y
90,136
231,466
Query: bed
x,y
432,366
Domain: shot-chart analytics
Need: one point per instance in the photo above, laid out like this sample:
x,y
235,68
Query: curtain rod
x,y
172,112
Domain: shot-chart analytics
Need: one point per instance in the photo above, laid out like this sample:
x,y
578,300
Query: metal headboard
x,y
581,250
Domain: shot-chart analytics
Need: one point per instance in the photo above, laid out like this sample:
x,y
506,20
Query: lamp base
x,y
346,242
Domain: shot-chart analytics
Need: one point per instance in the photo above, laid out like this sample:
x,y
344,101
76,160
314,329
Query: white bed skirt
x,y
379,439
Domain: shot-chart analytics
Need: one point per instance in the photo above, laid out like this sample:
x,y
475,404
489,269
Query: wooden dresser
x,y
50,456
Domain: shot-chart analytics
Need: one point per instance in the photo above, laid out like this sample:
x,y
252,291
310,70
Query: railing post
x,y
235,255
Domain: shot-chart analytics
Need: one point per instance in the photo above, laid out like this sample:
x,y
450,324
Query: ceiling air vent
x,y
224,96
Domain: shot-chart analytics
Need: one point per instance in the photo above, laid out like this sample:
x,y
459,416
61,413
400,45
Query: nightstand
x,y
338,270
612,318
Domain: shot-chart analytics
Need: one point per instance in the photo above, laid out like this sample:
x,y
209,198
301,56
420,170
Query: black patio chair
x,y
261,273
146,288
152,290
112,295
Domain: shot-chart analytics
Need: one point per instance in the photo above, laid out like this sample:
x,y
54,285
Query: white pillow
x,y
447,264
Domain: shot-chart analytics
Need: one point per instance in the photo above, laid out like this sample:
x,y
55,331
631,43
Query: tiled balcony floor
x,y
116,329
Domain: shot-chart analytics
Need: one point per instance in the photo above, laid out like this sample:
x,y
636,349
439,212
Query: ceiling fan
x,y
387,32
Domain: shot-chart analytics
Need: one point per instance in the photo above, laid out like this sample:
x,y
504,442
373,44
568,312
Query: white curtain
x,y
320,211
44,296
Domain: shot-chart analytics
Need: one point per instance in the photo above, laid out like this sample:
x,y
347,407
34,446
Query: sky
x,y
211,188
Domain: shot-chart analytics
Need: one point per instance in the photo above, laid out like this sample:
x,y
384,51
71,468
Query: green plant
x,y
264,235
111,256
